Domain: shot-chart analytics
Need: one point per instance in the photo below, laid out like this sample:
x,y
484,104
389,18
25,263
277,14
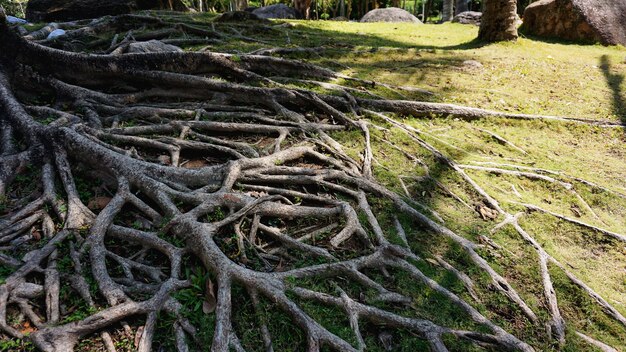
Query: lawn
x,y
529,76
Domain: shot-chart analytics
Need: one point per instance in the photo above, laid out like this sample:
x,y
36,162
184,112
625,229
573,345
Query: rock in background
x,y
277,11
468,17
390,14
601,21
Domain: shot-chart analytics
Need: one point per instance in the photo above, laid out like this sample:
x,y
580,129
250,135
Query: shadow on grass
x,y
319,37
375,54
614,81
556,40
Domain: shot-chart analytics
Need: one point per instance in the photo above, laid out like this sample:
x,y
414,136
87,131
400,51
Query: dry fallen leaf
x,y
138,336
279,267
194,164
486,213
386,339
36,234
26,328
256,194
209,303
164,159
97,203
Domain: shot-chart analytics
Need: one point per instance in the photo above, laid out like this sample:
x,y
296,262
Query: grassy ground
x,y
529,76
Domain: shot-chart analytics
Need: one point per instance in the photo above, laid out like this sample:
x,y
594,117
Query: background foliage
x,y
14,7
320,9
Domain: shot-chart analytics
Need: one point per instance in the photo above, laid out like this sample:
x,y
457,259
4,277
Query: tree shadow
x,y
366,54
557,40
317,36
614,81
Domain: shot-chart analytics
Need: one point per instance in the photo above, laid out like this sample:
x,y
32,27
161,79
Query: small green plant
x,y
85,189
80,313
47,120
3,203
137,225
192,299
14,7
10,345
217,215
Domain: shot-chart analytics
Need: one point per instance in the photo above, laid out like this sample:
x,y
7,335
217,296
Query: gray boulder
x,y
15,20
390,14
276,11
601,21
468,17
151,46
55,34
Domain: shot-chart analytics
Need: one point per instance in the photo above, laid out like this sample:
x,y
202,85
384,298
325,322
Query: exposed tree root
x,y
207,156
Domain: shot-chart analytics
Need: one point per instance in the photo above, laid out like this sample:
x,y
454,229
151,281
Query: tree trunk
x,y
447,12
428,7
461,6
499,21
241,5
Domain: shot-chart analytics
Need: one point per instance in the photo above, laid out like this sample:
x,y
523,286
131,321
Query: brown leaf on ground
x,y
486,213
210,301
386,339
35,233
98,203
257,194
194,164
164,159
138,336
26,328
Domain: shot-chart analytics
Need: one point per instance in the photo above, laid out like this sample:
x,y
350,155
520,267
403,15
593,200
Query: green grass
x,y
528,76
7,345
